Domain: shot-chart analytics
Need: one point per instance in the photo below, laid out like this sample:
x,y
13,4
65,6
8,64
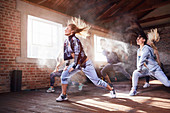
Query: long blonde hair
x,y
153,36
79,27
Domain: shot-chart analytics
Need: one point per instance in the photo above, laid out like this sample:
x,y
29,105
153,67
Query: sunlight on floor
x,y
161,103
122,97
104,105
155,82
84,107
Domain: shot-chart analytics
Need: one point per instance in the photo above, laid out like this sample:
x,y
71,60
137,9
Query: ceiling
x,y
114,14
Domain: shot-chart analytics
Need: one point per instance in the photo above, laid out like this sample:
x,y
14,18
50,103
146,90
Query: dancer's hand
x,y
71,69
56,70
65,68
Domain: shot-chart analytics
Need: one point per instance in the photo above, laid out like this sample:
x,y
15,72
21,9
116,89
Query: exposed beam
x,y
124,10
42,1
54,4
113,9
154,18
140,2
107,12
131,5
152,7
156,26
139,11
121,7
107,8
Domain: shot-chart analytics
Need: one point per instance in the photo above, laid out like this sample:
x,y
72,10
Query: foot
x,y
133,92
50,90
80,87
146,85
113,93
61,98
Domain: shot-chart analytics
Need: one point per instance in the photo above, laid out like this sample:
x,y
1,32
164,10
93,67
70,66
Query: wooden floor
x,y
155,99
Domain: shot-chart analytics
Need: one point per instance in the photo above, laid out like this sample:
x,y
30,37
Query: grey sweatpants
x,y
88,70
158,74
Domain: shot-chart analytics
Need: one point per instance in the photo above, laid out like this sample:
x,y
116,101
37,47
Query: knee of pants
x,y
135,73
64,80
52,75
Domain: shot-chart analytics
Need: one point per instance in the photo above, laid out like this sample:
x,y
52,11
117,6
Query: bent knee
x,y
135,73
52,75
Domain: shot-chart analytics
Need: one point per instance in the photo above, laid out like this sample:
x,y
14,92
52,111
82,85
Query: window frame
x,y
55,40
26,9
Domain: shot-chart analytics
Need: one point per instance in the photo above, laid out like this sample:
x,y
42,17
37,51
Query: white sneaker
x,y
146,85
50,90
133,92
80,87
61,98
113,94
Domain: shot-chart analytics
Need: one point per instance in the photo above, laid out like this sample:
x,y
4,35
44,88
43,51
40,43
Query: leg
x,y
159,74
135,78
120,68
147,82
147,79
92,75
64,88
52,77
108,79
65,76
52,81
105,70
64,83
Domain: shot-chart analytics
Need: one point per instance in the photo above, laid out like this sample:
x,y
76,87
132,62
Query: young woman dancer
x,y
153,37
114,63
73,49
145,55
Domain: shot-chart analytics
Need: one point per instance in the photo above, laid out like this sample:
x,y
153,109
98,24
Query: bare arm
x,y
157,56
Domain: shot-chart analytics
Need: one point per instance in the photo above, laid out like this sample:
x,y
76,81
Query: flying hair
x,y
153,36
79,26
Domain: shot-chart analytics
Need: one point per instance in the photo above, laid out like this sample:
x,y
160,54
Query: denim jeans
x,y
53,75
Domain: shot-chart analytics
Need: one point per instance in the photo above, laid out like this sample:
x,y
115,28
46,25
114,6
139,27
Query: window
x,y
98,50
44,38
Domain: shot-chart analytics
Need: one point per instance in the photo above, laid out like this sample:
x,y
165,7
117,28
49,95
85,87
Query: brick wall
x,y
10,48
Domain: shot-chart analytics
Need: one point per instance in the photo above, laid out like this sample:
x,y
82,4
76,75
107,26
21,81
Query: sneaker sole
x,y
61,100
50,91
113,97
134,94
